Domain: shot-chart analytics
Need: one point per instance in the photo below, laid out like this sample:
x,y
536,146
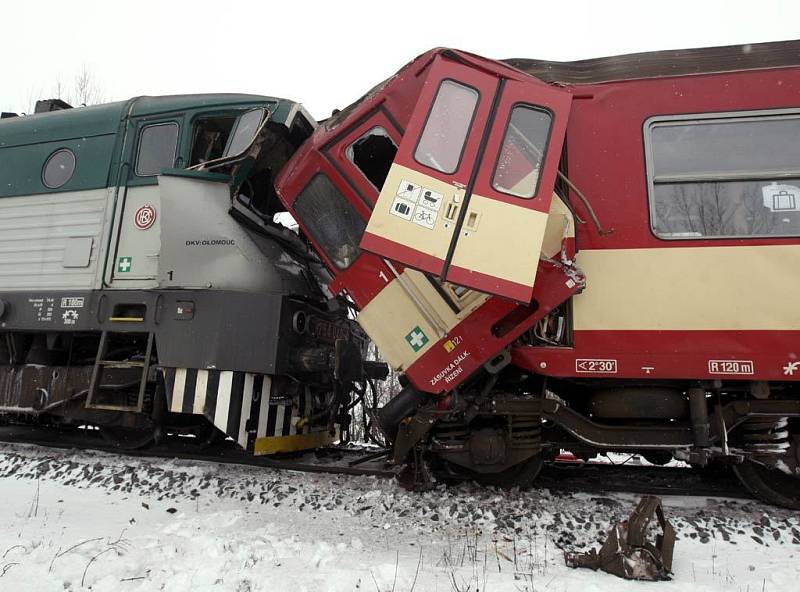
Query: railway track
x,y
593,478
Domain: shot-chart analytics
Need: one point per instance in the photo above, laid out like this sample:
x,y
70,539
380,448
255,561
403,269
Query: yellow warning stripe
x,y
273,444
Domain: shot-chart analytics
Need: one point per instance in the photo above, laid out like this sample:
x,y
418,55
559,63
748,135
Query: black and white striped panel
x,y
244,405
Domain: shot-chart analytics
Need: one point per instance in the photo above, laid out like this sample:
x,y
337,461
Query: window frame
x,y
349,150
193,124
314,237
142,130
505,128
698,119
469,126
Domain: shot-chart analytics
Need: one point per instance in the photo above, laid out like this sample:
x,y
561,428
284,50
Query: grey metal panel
x,y
37,235
227,330
141,246
203,247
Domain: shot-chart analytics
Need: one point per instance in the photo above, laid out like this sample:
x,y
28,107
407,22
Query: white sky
x,y
326,54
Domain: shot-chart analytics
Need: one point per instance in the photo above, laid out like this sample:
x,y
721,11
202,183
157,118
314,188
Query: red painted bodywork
x,y
605,158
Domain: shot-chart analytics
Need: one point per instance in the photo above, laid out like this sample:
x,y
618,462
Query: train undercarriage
x,y
500,429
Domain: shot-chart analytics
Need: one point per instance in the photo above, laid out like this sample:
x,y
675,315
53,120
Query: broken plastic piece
x,y
627,553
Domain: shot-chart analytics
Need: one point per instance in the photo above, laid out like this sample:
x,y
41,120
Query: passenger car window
x,y
727,175
442,141
158,144
330,220
59,168
520,159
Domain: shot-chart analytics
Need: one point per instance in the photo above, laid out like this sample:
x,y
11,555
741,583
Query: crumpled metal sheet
x,y
627,552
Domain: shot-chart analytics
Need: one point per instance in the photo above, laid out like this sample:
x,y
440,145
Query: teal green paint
x,y
21,167
202,175
95,134
97,120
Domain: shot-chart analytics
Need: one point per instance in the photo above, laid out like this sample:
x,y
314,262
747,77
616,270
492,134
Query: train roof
x,y
97,120
657,64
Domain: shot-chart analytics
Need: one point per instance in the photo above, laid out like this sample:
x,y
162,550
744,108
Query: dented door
x,y
468,193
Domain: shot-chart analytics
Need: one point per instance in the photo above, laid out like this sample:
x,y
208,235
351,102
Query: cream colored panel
x,y
560,225
388,318
406,303
467,303
693,288
504,242
433,241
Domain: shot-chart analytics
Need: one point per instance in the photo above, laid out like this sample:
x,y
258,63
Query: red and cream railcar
x,y
599,255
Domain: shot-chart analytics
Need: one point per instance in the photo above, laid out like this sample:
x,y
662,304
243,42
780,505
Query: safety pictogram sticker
x,y
417,339
124,264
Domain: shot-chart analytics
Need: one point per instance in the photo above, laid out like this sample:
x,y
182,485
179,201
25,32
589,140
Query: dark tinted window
x,y
157,147
210,138
330,220
445,132
517,171
728,176
59,168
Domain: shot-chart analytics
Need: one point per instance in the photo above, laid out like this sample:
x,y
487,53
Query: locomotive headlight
x,y
300,322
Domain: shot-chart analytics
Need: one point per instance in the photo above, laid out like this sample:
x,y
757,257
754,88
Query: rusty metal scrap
x,y
627,552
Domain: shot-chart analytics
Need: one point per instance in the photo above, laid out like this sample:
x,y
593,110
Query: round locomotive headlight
x,y
300,322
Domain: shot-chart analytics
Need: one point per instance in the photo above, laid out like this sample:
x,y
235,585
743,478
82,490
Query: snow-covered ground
x,y
78,520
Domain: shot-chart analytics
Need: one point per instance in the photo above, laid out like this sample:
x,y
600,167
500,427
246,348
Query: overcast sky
x,y
326,54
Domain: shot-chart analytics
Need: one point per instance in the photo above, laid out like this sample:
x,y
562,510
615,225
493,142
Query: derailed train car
x,y
145,287
598,256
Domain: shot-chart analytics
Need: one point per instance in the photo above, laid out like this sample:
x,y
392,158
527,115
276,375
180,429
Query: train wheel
x,y
124,438
521,475
773,485
770,485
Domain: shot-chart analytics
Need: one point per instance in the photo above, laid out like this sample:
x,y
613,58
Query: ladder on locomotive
x,y
100,363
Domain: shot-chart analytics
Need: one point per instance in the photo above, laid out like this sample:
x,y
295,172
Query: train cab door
x,y
468,193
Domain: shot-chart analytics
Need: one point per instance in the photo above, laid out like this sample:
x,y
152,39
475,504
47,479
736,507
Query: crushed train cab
x,y
145,287
599,256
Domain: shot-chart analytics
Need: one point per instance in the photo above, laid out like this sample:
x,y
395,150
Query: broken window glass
x,y
445,134
729,176
373,154
517,170
330,220
158,144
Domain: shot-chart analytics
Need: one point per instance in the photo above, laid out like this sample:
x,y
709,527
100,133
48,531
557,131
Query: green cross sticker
x,y
417,339
124,264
